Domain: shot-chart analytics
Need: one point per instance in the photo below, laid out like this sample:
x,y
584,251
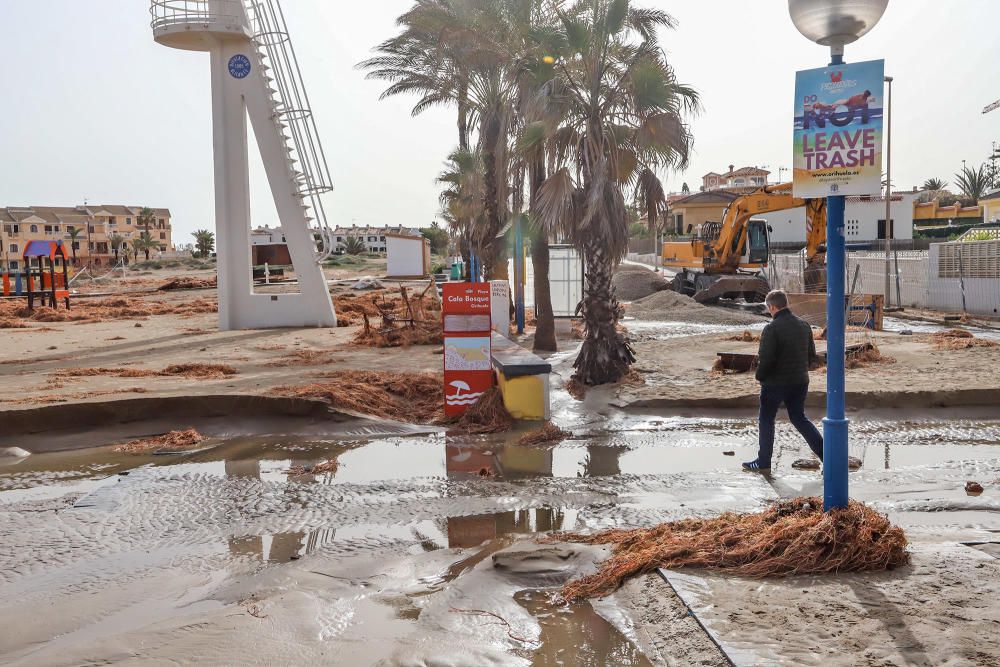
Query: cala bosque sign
x,y
838,130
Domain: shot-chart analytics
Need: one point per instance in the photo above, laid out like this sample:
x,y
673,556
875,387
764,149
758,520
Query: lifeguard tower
x,y
255,73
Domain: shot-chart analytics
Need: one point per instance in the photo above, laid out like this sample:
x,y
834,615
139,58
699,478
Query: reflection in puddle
x,y
471,531
577,635
239,508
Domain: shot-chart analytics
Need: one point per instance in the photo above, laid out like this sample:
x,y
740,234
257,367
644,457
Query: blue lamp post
x,y
835,23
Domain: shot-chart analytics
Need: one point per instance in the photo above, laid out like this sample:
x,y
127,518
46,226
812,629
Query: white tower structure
x,y
255,73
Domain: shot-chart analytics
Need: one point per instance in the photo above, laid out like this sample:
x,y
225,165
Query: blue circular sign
x,y
239,66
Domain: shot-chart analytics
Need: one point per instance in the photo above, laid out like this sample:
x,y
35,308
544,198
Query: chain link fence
x,y
950,277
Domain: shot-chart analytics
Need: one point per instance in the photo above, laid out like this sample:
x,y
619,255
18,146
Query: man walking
x,y
786,350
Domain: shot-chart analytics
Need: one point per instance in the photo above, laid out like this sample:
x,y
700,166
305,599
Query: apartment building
x,y
98,225
744,177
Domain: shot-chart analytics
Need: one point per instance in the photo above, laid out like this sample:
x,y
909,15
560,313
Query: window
x,y
162,223
15,229
13,265
34,229
48,229
76,245
881,229
128,221
163,248
163,236
381,239
69,229
13,247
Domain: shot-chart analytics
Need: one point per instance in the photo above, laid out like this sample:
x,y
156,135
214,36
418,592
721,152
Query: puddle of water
x,y
641,330
577,635
403,496
895,324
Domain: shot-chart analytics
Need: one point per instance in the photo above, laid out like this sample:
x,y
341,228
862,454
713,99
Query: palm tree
x,y
462,199
74,236
432,57
974,182
934,184
117,242
204,242
455,52
622,118
135,246
147,243
145,219
354,245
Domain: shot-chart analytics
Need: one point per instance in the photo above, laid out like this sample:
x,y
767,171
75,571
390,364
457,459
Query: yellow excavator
x,y
726,260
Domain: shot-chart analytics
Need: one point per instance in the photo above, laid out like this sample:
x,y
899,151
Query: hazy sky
x,y
93,108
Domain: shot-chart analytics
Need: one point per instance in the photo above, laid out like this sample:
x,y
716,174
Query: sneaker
x,y
756,466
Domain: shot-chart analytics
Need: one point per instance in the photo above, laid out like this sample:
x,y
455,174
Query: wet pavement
x,y
232,553
76,524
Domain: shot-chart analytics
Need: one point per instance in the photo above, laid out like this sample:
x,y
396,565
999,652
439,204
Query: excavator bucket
x,y
752,289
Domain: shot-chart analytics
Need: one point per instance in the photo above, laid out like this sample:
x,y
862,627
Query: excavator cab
x,y
757,247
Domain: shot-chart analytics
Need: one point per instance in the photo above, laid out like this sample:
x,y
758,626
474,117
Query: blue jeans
x,y
794,398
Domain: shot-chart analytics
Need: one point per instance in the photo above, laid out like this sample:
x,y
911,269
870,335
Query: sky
x,y
94,110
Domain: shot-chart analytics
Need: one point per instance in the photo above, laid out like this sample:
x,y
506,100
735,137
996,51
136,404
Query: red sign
x,y
465,298
468,367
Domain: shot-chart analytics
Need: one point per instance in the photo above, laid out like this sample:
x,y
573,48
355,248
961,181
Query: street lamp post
x,y
834,23
888,188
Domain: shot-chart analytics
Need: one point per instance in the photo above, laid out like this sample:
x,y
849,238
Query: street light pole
x,y
834,23
835,424
888,190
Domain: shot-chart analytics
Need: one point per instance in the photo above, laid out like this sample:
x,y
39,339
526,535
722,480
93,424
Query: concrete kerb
x,y
855,400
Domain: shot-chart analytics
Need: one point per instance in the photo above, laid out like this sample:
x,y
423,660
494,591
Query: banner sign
x,y
838,130
468,368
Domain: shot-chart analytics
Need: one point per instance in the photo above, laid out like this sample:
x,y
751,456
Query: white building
x,y
864,220
373,237
266,236
407,256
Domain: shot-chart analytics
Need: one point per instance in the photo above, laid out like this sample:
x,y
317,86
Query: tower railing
x,y
205,13
292,111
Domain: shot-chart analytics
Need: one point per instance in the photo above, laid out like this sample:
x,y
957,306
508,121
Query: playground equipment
x,y
49,285
255,73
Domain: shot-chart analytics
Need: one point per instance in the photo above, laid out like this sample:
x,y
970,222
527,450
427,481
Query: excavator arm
x,y
728,248
710,266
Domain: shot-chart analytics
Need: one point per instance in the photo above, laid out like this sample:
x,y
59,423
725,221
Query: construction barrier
x,y
951,277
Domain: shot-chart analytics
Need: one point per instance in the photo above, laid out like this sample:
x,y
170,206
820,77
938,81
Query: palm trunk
x,y
493,250
606,354
463,115
545,326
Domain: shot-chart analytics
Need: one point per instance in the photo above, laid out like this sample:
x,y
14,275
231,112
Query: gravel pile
x,y
635,282
669,306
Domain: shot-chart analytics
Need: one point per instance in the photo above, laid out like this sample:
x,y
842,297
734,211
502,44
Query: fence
x,y
874,246
650,259
950,277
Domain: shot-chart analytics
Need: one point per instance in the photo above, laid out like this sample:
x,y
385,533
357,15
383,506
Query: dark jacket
x,y
786,350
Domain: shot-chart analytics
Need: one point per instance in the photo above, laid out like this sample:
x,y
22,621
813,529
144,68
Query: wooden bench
x,y
523,378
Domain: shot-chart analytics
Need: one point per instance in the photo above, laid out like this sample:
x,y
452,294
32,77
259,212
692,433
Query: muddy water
x,y
123,551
